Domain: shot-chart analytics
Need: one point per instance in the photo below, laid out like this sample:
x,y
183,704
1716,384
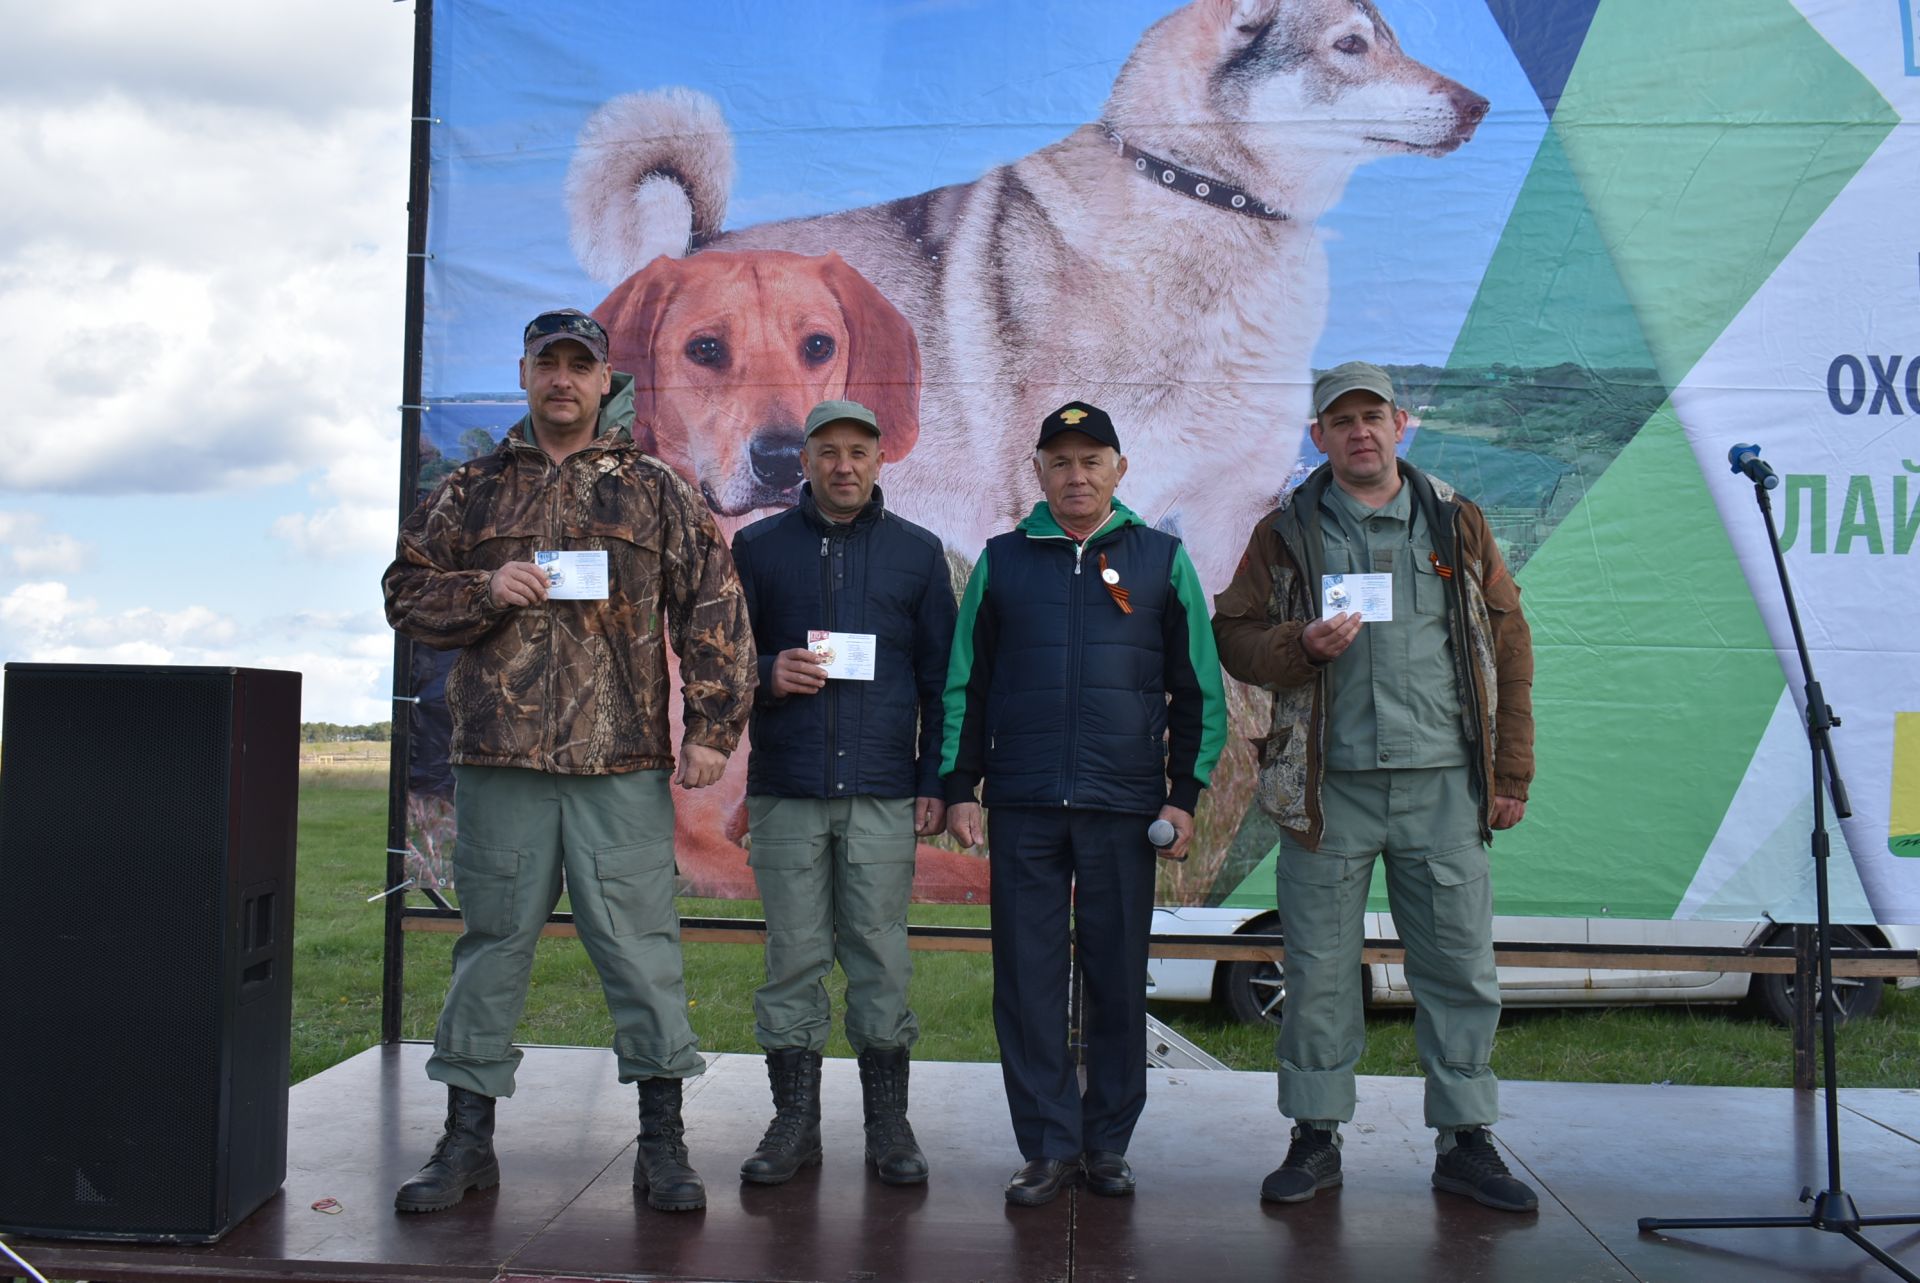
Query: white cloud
x,y
359,497
199,280
201,271
27,548
344,658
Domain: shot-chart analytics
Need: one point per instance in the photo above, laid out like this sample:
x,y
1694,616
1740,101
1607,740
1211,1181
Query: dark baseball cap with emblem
x,y
1079,416
567,323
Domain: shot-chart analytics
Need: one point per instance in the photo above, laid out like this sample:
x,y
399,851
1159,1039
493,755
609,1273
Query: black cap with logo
x,y
1078,416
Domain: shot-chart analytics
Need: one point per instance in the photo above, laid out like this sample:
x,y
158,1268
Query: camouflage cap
x,y
548,328
1354,376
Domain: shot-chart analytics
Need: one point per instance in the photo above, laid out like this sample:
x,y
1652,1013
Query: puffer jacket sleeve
x,y
707,620
1253,648
963,753
933,628
429,596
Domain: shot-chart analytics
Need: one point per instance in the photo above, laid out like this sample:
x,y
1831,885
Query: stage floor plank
x,y
1601,1155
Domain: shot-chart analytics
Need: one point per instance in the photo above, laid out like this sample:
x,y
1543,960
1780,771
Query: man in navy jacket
x,y
841,781
1085,690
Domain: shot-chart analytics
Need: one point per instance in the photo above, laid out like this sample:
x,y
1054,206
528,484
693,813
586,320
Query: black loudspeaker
x,y
146,923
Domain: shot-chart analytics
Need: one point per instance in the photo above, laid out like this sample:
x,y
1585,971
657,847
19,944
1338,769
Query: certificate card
x,y
1370,595
848,656
574,576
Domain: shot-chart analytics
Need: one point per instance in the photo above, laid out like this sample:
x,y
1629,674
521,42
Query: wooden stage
x,y
1601,1157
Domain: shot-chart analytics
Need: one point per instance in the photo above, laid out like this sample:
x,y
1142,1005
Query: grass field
x,y
337,991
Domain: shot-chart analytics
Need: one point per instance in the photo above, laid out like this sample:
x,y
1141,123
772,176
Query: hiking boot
x,y
463,1159
1311,1165
793,1137
1474,1167
892,1151
661,1168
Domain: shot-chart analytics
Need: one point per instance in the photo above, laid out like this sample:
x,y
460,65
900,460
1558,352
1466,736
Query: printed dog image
x,y
1162,262
729,351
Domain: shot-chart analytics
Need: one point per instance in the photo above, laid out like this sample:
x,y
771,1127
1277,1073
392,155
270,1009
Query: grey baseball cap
x,y
1354,376
840,412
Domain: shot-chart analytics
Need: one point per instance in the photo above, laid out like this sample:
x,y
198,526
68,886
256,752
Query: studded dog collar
x,y
1211,191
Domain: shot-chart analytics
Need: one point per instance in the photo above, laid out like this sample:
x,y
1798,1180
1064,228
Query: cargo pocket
x,y
485,879
881,831
1462,901
635,881
881,848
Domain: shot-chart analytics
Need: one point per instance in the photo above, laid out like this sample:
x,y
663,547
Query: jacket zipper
x,y
829,694
1073,663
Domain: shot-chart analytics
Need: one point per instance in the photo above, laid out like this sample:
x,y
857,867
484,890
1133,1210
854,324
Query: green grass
x,y
337,991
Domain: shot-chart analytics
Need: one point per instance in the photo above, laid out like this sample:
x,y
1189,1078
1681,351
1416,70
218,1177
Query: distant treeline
x,y
1558,410
334,732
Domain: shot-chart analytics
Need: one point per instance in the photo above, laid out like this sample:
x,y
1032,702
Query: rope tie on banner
x,y
394,889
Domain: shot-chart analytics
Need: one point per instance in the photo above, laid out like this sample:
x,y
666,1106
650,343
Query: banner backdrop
x,y
1597,242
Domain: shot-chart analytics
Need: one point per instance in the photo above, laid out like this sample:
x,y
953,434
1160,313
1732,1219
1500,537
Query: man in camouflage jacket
x,y
561,743
1409,738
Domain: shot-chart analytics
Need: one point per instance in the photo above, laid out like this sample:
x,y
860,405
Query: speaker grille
x,y
114,936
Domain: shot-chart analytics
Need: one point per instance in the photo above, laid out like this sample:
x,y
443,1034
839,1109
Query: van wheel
x,y
1857,996
1256,992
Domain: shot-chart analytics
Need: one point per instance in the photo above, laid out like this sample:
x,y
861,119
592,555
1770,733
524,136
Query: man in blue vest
x,y
1085,691
852,611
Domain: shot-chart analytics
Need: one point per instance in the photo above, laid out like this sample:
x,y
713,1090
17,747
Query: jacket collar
x,y
1042,524
616,421
816,520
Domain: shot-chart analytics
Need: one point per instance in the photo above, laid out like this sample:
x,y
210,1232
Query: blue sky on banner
x,y
838,106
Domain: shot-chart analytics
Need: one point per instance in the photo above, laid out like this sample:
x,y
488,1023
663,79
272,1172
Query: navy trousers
x,y
1099,866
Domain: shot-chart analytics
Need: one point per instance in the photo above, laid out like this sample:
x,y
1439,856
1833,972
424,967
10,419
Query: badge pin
x,y
1110,575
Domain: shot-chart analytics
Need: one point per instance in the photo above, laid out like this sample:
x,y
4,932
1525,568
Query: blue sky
x,y
202,255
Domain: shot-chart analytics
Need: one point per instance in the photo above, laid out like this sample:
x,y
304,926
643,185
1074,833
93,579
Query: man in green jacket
x,y
1084,692
1410,736
563,562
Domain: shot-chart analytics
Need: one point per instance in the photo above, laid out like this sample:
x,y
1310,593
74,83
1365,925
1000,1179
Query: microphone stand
x,y
1833,1208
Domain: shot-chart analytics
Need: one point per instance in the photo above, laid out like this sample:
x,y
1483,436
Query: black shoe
x,y
661,1168
892,1151
1474,1167
1311,1165
1107,1173
463,1159
793,1137
1040,1180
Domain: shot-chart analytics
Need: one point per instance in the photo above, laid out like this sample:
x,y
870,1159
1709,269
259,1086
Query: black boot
x,y
660,1168
892,1151
793,1137
463,1159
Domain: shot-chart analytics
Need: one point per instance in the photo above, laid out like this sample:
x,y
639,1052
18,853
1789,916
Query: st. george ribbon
x,y
1746,462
